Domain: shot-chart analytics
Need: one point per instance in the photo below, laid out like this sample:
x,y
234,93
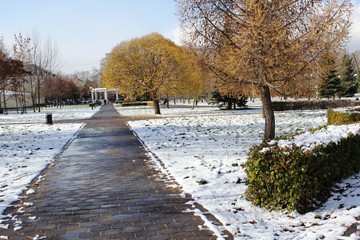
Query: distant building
x,y
12,98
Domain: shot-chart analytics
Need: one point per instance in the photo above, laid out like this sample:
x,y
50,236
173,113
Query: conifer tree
x,y
330,85
348,77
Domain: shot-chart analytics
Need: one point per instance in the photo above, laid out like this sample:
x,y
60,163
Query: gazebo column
x,y
92,95
106,96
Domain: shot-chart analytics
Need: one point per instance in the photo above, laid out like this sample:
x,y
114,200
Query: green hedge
x,y
132,104
343,117
288,178
312,104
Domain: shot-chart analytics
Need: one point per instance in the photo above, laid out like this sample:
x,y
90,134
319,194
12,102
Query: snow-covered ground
x,y
28,145
204,149
64,113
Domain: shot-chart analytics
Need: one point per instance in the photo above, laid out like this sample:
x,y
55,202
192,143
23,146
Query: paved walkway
x,y
104,187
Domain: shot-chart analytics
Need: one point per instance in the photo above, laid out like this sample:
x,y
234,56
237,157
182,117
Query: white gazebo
x,y
95,94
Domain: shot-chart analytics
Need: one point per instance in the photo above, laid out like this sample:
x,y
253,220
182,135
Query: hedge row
x,y
132,104
312,104
343,117
289,178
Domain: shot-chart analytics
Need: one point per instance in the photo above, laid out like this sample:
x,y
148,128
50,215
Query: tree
x,y
192,78
356,60
4,62
59,89
230,100
44,62
150,65
264,44
40,59
348,77
87,80
331,86
71,91
330,83
10,70
22,52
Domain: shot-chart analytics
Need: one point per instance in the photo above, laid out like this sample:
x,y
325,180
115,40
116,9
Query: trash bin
x,y
49,118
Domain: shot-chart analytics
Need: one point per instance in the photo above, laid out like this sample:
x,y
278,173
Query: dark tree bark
x,y
156,105
268,112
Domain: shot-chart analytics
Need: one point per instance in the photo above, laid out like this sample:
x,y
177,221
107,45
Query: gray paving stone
x,y
159,237
71,236
103,186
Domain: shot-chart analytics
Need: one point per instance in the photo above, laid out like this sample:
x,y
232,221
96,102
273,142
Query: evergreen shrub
x,y
312,104
343,117
132,104
296,180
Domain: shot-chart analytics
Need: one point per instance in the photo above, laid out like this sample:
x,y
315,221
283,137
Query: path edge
x,y
210,221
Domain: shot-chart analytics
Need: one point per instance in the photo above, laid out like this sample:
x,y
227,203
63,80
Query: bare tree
x,y
45,60
264,44
356,58
87,80
22,52
10,70
4,56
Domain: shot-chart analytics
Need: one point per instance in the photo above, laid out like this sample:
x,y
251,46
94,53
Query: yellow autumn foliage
x,y
152,65
263,46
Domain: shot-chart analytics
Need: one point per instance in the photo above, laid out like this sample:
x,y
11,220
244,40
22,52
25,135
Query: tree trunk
x,y
0,98
156,105
229,105
268,112
23,100
38,95
5,108
33,94
16,101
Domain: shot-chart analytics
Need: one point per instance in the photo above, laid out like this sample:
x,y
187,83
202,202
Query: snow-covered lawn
x,y
203,149
204,152
28,145
183,110
64,113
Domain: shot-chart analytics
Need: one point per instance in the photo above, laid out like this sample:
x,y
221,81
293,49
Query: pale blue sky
x,y
85,30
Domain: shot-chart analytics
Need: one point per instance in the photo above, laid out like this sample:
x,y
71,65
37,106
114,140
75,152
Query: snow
x,y
28,145
180,111
309,141
353,110
204,151
65,113
202,148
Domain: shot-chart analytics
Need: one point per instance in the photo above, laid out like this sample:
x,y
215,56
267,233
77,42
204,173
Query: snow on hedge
x,y
308,140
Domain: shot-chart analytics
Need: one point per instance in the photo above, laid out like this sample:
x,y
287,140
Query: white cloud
x,y
354,43
175,35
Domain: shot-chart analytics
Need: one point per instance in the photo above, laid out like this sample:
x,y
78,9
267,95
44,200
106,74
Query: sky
x,y
85,30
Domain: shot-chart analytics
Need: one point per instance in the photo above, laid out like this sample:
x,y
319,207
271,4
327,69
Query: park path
x,y
103,186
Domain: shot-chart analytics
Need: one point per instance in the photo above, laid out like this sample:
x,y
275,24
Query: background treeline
x,y
29,77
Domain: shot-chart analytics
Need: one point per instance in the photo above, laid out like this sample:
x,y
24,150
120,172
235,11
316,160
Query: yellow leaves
x,y
150,64
257,41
